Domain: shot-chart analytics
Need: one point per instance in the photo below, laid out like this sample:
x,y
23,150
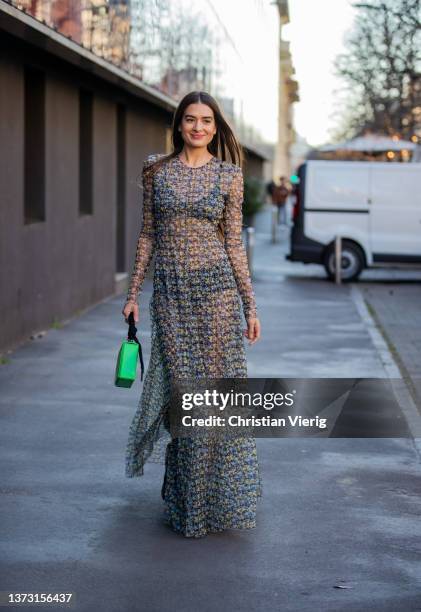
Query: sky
x,y
253,26
316,32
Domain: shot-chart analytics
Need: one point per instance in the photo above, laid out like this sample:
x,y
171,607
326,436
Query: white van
x,y
375,207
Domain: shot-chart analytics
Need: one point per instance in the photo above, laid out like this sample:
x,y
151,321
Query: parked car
x,y
375,207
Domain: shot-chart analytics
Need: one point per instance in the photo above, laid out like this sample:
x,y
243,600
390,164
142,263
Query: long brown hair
x,y
224,145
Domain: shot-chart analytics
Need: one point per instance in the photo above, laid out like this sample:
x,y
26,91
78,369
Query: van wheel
x,y
352,261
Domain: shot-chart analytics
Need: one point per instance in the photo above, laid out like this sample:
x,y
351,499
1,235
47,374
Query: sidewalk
x,y
336,512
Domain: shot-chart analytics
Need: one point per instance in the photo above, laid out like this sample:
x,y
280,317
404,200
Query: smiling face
x,y
198,125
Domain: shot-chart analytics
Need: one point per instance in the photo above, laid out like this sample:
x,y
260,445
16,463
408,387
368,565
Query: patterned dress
x,y
197,331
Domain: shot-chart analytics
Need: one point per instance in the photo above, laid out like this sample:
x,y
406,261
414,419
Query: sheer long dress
x,y
197,331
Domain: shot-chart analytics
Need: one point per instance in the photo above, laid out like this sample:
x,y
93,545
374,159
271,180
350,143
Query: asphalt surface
x,y
338,526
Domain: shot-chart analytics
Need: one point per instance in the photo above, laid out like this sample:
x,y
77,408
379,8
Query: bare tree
x,y
171,46
382,70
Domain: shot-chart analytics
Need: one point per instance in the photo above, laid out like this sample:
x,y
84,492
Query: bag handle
x,y
131,335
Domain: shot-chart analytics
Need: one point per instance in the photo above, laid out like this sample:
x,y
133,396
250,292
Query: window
x,y
34,145
85,152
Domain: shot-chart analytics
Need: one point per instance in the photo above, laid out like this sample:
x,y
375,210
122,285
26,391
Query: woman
x,y
195,311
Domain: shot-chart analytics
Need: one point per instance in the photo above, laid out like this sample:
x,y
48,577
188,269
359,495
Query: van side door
x,y
395,211
337,202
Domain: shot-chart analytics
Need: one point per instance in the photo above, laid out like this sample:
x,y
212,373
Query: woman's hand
x,y
131,307
253,330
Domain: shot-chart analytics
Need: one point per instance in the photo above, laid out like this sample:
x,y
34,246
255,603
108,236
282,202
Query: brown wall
x,y
253,166
52,268
143,138
14,253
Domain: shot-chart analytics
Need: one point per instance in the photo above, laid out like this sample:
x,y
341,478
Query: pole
x,y
338,260
274,225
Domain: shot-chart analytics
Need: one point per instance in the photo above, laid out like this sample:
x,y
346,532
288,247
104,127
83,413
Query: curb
x,y
393,366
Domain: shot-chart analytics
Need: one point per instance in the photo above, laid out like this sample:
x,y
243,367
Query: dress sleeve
x,y
234,246
146,241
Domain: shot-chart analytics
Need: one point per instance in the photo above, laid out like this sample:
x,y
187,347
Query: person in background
x,y
280,196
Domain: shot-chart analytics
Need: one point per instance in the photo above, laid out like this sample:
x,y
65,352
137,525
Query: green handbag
x,y
125,372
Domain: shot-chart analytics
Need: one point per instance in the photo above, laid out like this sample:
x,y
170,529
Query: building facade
x,y
288,94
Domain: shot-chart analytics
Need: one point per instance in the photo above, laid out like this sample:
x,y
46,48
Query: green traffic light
x,y
294,178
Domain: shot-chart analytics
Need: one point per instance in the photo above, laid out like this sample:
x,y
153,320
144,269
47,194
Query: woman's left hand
x,y
253,330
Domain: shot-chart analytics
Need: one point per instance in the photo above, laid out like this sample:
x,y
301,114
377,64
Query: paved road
x,y
335,512
396,308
